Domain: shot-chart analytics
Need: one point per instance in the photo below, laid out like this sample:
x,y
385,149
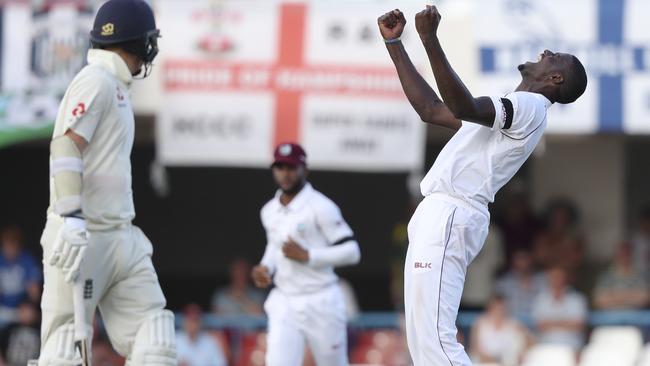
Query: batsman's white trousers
x,y
445,235
316,319
119,278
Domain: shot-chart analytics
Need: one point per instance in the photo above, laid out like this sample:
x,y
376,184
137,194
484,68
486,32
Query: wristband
x,y
394,40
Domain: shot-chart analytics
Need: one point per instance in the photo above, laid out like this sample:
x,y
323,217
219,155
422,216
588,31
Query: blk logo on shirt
x,y
423,265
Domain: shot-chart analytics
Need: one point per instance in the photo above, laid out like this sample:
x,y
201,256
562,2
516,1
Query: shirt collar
x,y
546,101
112,62
298,201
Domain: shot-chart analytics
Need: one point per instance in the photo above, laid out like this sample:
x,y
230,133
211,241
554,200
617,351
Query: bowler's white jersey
x,y
478,161
97,107
314,222
450,225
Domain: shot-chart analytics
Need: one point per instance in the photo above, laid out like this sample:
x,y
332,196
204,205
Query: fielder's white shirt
x,y
97,107
478,161
314,222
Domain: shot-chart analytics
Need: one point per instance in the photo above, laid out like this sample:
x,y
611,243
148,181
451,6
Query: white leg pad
x,y
59,348
155,342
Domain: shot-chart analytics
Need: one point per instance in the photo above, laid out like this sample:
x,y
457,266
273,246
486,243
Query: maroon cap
x,y
289,153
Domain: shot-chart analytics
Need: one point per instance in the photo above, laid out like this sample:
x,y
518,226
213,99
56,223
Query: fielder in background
x,y
306,238
89,236
495,135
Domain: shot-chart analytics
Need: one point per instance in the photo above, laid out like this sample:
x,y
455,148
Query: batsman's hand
x,y
427,21
293,250
70,247
261,276
391,24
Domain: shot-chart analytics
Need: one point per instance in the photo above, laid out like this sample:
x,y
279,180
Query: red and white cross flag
x,y
241,77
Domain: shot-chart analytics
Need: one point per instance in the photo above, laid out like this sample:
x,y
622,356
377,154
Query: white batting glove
x,y
70,247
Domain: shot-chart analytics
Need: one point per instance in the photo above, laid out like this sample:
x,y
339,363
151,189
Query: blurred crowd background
x,y
532,284
565,272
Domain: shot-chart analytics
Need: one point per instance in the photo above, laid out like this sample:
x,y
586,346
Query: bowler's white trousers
x,y
445,235
119,277
317,319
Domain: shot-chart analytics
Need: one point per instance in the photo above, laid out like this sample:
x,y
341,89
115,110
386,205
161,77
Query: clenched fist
x,y
427,21
293,250
391,24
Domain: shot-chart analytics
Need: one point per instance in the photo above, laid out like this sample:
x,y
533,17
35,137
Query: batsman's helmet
x,y
129,24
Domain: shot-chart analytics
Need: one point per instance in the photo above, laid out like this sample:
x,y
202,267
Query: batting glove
x,y
69,247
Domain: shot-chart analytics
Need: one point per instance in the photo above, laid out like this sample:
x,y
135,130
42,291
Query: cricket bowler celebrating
x,y
306,238
495,136
89,238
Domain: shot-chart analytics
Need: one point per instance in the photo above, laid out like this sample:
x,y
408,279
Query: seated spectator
x,y
641,241
560,313
195,347
623,286
520,285
498,338
480,277
20,341
519,224
239,297
560,244
20,274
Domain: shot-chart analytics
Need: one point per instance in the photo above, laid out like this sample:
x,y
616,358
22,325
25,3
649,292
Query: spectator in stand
x,y
20,341
560,244
20,274
622,286
641,241
520,285
498,338
519,224
239,297
480,277
560,313
195,347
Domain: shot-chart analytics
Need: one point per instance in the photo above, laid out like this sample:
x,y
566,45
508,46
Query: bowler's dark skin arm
x,y
421,96
452,89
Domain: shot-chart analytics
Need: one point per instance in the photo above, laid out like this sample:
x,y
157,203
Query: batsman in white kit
x,y
89,243
495,136
306,238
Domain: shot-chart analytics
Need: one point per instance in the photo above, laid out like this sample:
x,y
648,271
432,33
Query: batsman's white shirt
x,y
450,225
118,272
313,221
97,107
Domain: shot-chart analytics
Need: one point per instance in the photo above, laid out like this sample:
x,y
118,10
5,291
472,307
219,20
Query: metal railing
x,y
377,320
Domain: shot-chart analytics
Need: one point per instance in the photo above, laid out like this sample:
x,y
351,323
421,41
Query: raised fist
x,y
391,24
427,21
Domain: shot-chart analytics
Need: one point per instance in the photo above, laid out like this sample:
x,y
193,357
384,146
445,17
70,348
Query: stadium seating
x,y
597,355
253,348
625,338
378,347
612,345
546,355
